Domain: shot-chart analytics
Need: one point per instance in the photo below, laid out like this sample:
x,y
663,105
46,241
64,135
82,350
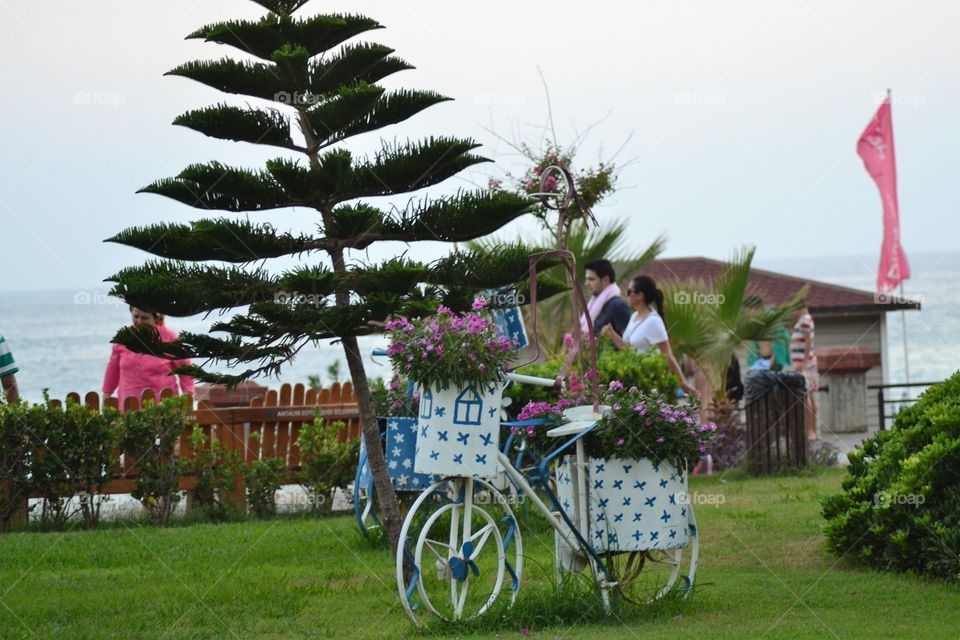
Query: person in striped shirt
x,y
8,369
803,357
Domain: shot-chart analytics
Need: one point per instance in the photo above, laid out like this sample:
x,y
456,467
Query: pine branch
x,y
296,181
256,126
226,240
399,275
407,167
355,226
314,281
391,108
282,8
504,265
316,34
291,61
364,62
459,218
178,289
216,186
246,78
329,119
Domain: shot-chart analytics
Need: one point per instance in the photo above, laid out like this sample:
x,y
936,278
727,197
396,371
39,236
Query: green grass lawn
x,y
764,573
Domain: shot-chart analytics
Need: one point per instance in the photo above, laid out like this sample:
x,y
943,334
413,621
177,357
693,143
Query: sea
x,y
61,338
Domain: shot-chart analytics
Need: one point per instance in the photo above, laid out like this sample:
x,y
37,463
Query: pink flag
x,y
875,147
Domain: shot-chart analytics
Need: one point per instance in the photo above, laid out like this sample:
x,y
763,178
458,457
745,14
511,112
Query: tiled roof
x,y
775,288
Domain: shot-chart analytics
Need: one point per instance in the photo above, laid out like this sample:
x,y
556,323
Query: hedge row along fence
x,y
73,455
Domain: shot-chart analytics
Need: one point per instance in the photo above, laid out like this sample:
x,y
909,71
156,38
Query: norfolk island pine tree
x,y
309,78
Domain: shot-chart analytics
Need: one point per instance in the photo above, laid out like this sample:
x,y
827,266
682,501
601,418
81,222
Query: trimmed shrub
x,y
325,462
646,371
148,439
217,471
55,454
900,506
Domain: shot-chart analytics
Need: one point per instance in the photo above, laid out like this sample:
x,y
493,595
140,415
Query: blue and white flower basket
x,y
634,505
401,447
459,430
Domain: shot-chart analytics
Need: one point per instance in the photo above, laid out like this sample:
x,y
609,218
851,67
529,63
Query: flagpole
x,y
903,319
903,312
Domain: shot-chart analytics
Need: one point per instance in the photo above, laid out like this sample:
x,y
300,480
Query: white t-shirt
x,y
642,334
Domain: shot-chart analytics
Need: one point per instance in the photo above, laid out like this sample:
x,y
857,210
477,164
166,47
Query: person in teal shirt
x,y
8,369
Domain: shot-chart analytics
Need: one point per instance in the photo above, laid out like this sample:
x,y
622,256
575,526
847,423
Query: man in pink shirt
x,y
133,373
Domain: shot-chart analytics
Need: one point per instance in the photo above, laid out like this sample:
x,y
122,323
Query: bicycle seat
x,y
571,428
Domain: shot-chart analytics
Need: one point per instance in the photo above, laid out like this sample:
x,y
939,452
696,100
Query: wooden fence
x,y
276,417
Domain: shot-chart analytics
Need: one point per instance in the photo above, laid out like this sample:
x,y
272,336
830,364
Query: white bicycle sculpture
x,y
461,547
627,521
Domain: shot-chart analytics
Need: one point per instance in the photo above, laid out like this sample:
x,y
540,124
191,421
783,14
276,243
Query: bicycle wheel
x,y
466,552
642,577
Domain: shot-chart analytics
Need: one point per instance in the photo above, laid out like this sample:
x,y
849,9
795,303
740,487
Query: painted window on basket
x,y
468,407
426,404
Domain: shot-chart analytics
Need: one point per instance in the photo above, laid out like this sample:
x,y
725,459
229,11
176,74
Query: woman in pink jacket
x,y
135,372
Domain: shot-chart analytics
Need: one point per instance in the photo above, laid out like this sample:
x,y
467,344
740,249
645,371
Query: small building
x,y
850,327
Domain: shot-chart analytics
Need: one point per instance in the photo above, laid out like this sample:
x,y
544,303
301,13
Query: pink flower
x,y
550,183
478,304
661,439
494,183
567,340
620,442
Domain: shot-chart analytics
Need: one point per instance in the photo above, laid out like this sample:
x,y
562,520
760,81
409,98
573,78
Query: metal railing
x,y
895,404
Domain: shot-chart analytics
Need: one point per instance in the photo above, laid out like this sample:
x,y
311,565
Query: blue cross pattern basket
x,y
633,505
400,445
459,430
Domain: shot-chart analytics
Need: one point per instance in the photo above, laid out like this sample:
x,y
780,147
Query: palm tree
x,y
708,322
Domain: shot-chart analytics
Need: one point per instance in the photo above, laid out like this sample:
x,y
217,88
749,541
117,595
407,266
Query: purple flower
x,y
478,304
661,439
615,385
620,442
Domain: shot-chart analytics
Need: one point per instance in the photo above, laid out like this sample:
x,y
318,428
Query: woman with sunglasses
x,y
646,327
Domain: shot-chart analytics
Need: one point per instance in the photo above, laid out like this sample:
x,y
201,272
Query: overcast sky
x,y
742,117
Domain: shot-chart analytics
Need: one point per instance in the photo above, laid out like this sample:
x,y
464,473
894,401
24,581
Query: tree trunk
x,y
386,496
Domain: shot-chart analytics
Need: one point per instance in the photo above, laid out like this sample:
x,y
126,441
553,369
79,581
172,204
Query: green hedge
x,y
646,371
900,506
